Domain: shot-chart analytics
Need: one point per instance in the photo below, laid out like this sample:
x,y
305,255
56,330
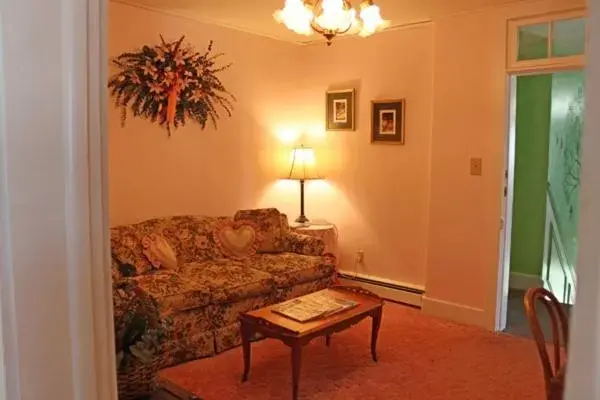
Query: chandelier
x,y
331,18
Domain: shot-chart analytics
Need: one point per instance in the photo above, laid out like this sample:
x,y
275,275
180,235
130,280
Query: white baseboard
x,y
454,312
524,281
385,288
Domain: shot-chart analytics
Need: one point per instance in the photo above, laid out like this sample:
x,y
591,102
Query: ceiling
x,y
256,16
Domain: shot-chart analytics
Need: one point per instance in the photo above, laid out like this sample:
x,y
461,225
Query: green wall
x,y
549,125
531,173
566,127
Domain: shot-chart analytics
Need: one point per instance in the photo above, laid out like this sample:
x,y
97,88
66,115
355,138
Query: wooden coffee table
x,y
297,334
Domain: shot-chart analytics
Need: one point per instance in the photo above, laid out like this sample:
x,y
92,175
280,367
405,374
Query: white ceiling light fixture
x,y
331,18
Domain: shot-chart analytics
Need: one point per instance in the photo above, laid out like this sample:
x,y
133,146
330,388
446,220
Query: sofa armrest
x,y
304,244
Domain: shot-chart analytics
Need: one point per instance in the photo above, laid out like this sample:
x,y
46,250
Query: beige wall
x,y
212,172
415,210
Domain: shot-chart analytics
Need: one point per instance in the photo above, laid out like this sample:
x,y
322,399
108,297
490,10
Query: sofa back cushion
x,y
272,228
190,237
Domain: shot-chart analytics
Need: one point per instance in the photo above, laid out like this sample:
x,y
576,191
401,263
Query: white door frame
x,y
583,377
507,209
513,70
508,201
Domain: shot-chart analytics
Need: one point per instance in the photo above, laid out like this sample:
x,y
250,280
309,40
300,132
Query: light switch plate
x,y
476,166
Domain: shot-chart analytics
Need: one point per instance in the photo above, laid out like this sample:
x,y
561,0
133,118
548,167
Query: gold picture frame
x,y
340,110
387,121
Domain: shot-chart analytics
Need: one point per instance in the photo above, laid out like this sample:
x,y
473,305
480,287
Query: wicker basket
x,y
136,379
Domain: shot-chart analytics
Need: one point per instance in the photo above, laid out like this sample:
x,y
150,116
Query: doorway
x,y
548,123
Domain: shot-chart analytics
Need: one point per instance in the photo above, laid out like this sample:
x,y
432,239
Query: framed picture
x,y
340,110
387,121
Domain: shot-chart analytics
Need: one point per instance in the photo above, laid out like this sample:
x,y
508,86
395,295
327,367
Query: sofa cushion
x,y
237,239
172,292
290,269
228,280
272,228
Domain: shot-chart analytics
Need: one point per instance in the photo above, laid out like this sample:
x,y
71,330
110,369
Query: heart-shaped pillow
x,y
237,239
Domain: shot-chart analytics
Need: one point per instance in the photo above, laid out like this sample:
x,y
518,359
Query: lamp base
x,y
302,219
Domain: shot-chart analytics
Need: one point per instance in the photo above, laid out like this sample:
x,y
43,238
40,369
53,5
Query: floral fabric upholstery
x,y
227,313
302,289
192,237
126,246
187,347
304,244
272,227
205,296
173,292
229,281
290,269
115,271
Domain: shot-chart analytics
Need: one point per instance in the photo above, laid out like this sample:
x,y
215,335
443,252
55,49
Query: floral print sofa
x,y
203,298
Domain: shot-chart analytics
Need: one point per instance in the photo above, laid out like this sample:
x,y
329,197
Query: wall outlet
x,y
360,257
476,166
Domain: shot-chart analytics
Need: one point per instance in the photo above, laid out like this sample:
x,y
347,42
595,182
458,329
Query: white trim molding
x,y
550,63
399,292
525,281
9,376
455,312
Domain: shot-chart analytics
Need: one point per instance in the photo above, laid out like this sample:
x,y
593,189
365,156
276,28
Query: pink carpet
x,y
420,358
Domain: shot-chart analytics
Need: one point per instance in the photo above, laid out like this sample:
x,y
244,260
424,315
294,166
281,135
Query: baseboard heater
x,y
386,289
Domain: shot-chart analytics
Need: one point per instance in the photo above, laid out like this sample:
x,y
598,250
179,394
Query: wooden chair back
x,y
554,372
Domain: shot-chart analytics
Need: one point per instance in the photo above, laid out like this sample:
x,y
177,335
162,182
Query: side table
x,y
327,232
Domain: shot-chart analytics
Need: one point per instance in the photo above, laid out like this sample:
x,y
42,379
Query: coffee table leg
x,y
375,332
296,364
246,333
327,340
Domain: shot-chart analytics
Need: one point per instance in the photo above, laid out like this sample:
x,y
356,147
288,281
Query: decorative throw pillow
x,y
237,239
126,247
159,252
270,226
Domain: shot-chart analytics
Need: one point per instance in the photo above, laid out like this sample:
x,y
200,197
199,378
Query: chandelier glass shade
x,y
331,18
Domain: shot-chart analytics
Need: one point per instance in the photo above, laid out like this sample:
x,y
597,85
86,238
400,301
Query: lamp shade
x,y
303,165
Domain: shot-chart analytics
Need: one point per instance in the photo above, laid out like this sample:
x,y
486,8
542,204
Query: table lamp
x,y
302,168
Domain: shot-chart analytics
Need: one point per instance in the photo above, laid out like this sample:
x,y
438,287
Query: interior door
x,y
507,209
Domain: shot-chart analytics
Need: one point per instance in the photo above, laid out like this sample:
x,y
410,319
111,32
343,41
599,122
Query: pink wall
x,y
378,194
470,120
419,216
200,172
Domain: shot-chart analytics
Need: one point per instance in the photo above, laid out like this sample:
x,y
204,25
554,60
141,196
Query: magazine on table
x,y
313,306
